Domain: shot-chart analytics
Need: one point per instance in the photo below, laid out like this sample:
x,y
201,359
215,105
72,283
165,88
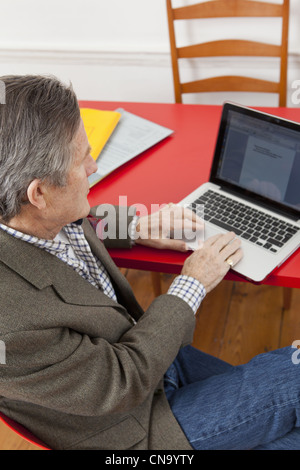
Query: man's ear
x,y
36,194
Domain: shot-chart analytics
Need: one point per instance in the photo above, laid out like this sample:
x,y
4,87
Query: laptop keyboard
x,y
251,224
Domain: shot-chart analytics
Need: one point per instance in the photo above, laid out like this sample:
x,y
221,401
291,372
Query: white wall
x,y
119,49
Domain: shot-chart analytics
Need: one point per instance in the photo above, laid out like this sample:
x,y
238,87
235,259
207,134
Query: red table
x,y
168,172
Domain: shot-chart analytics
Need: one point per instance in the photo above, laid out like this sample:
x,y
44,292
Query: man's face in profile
x,y
69,203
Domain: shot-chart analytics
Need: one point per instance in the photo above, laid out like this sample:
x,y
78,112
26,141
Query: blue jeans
x,y
251,406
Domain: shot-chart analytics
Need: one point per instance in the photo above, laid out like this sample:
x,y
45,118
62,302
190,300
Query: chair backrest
x,y
22,431
230,47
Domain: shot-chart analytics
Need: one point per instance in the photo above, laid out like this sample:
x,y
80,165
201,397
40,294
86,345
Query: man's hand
x,y
210,263
168,228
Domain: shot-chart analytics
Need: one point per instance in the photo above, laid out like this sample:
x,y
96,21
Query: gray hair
x,y
37,125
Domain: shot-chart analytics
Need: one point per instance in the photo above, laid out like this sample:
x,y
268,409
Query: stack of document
x,y
128,136
98,125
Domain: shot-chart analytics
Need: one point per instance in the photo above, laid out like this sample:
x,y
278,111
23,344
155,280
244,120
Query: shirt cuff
x,y
188,289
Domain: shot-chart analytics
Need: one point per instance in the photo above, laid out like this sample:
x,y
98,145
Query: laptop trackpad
x,y
195,243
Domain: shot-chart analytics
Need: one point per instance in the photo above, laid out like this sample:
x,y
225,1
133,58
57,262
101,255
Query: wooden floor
x,y
235,322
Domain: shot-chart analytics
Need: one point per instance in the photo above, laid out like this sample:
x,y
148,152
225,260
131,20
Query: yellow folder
x,y
99,126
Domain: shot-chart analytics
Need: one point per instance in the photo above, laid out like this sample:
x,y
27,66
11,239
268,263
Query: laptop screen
x,y
258,155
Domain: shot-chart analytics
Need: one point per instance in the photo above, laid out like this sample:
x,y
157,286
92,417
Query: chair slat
x,y
230,47
230,83
227,9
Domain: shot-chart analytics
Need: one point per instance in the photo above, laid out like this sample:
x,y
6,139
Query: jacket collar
x,y
43,269
122,287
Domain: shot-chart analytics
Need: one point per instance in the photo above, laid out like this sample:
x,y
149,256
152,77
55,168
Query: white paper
x,y
266,168
132,136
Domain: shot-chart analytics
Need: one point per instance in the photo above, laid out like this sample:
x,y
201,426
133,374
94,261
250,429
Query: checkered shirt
x,y
84,262
188,289
90,268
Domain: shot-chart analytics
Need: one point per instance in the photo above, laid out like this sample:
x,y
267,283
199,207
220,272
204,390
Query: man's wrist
x,y
188,289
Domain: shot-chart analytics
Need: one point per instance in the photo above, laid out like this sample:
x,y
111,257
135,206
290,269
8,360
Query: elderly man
x,y
85,367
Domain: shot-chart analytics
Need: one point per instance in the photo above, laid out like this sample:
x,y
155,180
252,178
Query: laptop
x,y
254,188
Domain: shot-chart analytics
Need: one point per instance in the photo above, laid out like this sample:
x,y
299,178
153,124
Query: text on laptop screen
x,y
261,157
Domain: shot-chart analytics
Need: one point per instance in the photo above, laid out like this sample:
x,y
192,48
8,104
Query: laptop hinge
x,y
295,218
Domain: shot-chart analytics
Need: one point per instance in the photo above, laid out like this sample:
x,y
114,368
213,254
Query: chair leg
x,y
287,297
156,284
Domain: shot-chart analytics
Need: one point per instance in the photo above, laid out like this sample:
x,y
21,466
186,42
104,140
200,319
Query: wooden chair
x,y
22,432
229,47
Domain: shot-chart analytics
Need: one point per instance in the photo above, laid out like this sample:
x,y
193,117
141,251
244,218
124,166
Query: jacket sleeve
x,y
70,371
76,351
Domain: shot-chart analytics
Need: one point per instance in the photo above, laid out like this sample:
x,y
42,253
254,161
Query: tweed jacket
x,y
79,373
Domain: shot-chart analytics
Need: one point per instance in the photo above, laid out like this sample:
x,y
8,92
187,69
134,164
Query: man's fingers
x,y
235,258
230,248
212,240
227,247
177,245
186,228
181,212
167,244
220,240
189,214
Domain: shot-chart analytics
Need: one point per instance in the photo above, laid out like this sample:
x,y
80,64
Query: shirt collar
x,y
56,245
